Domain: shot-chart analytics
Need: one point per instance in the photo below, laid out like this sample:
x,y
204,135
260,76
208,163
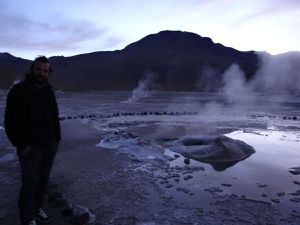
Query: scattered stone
x,y
275,200
213,190
187,161
297,200
261,185
168,186
194,168
226,185
174,175
81,215
296,182
296,193
188,177
176,156
295,214
187,172
164,182
264,195
280,194
295,170
185,190
177,180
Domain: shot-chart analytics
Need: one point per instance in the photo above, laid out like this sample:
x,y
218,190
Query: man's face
x,y
40,71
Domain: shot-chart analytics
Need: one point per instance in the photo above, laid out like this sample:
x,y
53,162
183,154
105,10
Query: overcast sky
x,y
69,27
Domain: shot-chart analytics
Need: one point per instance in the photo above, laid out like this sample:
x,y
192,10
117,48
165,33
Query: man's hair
x,y
43,59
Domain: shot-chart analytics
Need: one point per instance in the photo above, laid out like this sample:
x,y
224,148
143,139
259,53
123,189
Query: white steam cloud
x,y
279,74
209,80
145,88
235,88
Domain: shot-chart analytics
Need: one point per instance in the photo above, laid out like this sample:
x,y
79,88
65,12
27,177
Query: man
x,y
32,126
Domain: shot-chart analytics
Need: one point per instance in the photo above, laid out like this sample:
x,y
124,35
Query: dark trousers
x,y
35,171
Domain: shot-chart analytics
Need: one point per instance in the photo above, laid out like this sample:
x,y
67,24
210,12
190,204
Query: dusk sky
x,y
70,27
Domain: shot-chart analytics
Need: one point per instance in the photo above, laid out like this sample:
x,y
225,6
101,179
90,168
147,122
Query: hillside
x,y
177,58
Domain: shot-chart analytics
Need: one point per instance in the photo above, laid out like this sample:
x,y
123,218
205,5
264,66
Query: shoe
x,y
42,216
32,222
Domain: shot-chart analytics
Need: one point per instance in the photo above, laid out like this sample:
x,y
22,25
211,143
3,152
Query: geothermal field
x,y
171,158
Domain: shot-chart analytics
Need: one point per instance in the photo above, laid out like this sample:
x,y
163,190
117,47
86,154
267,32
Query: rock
x,y
227,185
280,194
261,185
187,161
296,193
295,170
184,190
164,182
194,168
188,177
173,175
219,151
213,190
81,215
297,200
168,186
296,182
275,200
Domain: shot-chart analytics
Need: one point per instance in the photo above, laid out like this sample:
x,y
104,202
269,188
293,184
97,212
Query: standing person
x,y
32,126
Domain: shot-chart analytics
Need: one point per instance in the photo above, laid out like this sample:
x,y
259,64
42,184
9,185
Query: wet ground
x,y
115,159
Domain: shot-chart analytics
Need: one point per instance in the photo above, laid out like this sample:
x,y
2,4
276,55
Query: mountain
x,y
177,58
10,69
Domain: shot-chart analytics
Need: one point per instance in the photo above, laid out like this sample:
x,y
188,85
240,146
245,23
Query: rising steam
x,y
209,80
235,88
279,74
145,88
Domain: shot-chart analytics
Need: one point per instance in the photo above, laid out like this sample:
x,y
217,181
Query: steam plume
x,y
144,89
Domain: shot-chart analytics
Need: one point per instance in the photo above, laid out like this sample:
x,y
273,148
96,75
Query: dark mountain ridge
x,y
177,58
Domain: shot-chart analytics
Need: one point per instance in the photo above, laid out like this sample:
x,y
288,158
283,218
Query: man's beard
x,y
39,79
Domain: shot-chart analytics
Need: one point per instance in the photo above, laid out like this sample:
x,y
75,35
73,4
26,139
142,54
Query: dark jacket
x,y
31,114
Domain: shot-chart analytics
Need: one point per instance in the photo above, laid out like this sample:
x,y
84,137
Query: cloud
x,y
20,32
279,9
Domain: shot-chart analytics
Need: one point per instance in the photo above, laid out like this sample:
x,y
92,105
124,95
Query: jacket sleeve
x,y
13,119
55,115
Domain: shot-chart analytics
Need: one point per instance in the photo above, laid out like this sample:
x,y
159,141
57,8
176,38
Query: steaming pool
x,y
264,176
